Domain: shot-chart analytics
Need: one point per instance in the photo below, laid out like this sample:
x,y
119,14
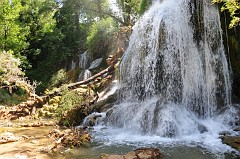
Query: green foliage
x,y
12,34
5,97
130,9
100,36
58,79
38,17
143,6
13,99
68,22
233,6
68,101
45,34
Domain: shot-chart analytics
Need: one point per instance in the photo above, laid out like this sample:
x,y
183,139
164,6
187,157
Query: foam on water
x,y
208,141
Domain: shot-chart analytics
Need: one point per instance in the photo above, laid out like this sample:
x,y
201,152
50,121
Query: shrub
x,y
58,79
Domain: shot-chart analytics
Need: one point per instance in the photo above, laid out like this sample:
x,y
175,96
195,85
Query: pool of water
x,y
119,141
116,141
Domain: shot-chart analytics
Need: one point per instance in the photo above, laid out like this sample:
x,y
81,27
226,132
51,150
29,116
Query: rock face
x,y
233,141
231,40
143,153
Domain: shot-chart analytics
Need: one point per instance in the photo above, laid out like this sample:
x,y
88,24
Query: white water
x,y
84,63
73,65
113,87
85,74
84,60
187,77
175,79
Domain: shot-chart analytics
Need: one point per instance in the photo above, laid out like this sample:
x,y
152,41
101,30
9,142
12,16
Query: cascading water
x,y
84,63
174,72
84,60
85,74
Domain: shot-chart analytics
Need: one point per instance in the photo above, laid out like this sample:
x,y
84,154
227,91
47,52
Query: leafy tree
x,y
38,16
130,9
12,34
233,6
100,36
68,22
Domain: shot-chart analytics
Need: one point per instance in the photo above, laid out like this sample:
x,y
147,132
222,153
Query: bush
x,y
16,98
72,108
10,76
58,79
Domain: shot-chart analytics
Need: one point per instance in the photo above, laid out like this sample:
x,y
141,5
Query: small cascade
x,y
84,60
174,73
84,63
85,74
73,65
110,90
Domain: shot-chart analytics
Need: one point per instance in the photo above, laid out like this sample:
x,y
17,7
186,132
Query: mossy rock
x,y
74,116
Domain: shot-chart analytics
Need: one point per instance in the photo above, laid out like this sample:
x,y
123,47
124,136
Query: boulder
x,y
104,105
91,120
233,141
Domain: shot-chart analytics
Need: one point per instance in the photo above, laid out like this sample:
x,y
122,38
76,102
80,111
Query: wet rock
x,y
143,153
233,141
91,120
237,128
202,128
148,153
36,124
104,105
225,133
106,156
23,109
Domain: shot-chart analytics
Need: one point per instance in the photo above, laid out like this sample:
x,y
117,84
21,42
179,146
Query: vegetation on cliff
x,y
233,7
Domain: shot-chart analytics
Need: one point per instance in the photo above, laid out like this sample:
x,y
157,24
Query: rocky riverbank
x,y
38,139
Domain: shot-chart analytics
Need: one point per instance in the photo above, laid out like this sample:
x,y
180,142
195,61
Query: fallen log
x,y
88,81
112,61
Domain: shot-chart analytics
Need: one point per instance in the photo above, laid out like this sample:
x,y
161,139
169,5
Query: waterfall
x,y
85,74
73,65
174,72
84,60
84,63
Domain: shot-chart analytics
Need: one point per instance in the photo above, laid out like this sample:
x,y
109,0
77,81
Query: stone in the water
x,y
224,133
233,141
237,128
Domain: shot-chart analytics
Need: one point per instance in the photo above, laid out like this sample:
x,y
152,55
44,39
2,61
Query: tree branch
x,y
109,14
